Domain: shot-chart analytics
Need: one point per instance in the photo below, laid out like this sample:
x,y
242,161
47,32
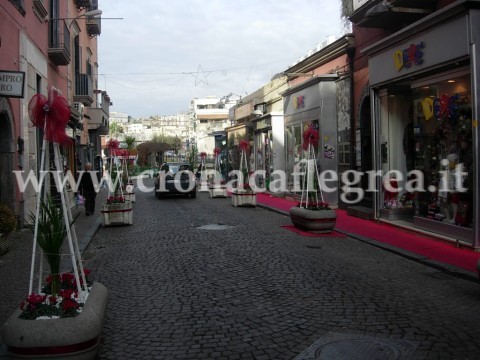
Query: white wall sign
x,y
12,83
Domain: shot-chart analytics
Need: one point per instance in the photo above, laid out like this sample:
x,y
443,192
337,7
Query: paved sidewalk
x,y
414,245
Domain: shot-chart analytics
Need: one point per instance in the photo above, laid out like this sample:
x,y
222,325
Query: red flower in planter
x,y
315,205
47,306
69,305
67,293
115,200
34,299
52,300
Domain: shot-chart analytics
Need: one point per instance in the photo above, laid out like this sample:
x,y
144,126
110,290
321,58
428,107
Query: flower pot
x,y
130,197
117,214
243,197
217,191
75,338
319,221
130,192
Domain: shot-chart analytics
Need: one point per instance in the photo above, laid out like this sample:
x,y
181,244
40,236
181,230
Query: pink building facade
x,y
47,45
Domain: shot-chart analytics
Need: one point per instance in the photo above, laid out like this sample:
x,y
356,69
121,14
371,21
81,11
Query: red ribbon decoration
x,y
112,145
203,155
52,115
217,151
310,136
244,145
121,152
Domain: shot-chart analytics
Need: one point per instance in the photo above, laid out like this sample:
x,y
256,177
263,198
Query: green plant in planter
x,y
50,236
8,221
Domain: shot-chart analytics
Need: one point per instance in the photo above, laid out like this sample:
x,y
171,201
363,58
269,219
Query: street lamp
x,y
95,13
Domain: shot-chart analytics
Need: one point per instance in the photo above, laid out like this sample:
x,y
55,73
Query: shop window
x,y
442,148
295,151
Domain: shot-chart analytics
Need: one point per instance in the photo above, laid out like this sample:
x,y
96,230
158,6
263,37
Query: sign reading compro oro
x,y
12,83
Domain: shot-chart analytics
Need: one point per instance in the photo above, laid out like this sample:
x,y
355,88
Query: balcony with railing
x,y
83,89
94,25
59,42
83,4
98,120
390,15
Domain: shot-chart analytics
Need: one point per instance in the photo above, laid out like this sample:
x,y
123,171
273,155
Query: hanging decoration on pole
x,y
203,172
118,210
51,115
113,148
311,214
244,146
243,194
217,186
310,137
311,187
216,154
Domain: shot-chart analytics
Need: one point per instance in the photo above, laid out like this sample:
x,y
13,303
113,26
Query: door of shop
x,y
263,155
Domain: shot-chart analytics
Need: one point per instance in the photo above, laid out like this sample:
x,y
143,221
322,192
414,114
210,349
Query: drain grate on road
x,y
338,346
215,227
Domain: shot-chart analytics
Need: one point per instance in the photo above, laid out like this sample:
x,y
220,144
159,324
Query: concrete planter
x,y
75,338
130,197
117,214
219,191
130,192
243,197
318,221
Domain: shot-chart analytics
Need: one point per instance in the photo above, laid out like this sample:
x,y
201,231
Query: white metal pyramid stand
x,y
244,165
309,179
217,167
118,176
128,186
71,233
203,174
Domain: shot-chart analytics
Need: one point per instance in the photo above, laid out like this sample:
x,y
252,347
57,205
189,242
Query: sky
x,y
161,55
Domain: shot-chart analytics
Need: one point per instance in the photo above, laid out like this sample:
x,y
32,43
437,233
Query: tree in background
x,y
130,142
114,129
193,158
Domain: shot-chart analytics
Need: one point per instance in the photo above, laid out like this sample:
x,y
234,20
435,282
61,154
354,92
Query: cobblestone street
x,y
246,288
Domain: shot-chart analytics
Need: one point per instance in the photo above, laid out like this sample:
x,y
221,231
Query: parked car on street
x,y
175,178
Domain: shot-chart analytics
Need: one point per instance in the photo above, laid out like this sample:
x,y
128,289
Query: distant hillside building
x,y
119,117
210,116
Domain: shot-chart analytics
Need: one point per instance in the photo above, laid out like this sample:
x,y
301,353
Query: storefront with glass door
x,y
424,80
312,104
263,157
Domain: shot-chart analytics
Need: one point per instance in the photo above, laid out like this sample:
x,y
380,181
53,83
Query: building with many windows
x,y
48,47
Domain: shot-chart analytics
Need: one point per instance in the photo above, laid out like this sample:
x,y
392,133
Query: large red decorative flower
x,y
113,144
203,155
244,145
217,151
310,137
50,114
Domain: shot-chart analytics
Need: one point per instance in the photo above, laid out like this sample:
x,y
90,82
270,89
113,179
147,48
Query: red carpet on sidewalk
x,y
429,247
